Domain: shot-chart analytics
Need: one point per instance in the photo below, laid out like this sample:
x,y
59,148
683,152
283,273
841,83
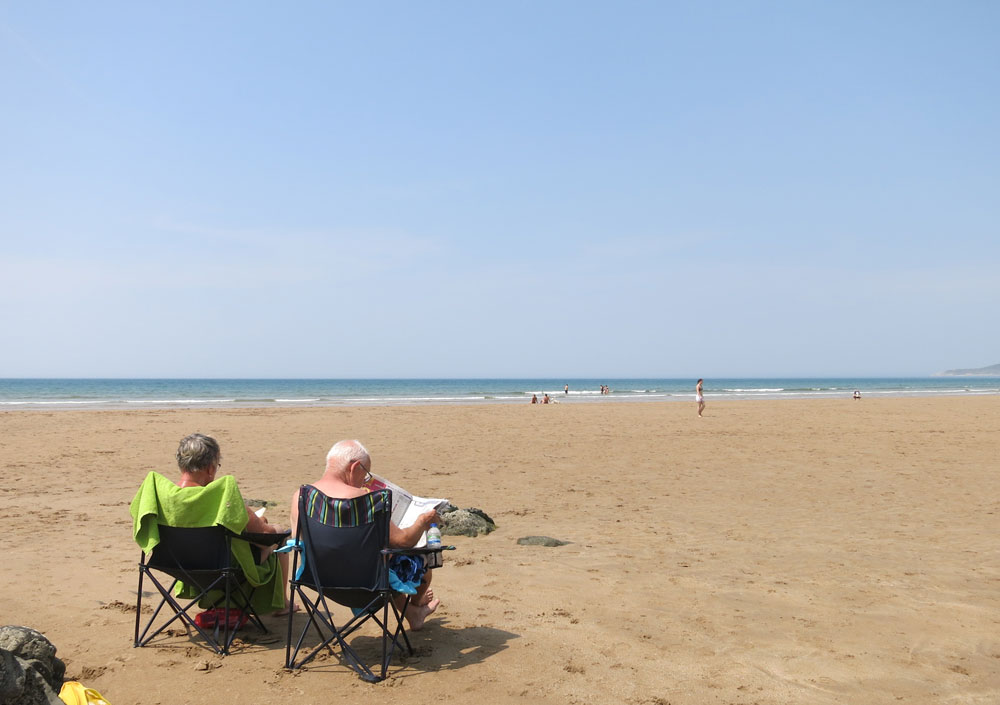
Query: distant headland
x,y
991,371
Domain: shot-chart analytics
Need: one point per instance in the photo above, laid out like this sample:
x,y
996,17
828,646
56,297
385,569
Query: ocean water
x,y
25,394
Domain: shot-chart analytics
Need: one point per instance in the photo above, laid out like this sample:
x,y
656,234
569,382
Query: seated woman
x,y
348,468
199,458
198,499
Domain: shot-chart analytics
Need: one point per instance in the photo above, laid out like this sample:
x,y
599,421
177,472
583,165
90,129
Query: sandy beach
x,y
809,552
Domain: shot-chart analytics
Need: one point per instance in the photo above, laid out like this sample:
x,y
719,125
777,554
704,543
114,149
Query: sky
x,y
498,189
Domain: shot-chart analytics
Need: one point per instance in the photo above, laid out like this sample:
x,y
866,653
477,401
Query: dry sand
x,y
771,552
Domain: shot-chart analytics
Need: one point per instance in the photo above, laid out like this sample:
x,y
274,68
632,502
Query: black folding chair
x,y
345,546
202,559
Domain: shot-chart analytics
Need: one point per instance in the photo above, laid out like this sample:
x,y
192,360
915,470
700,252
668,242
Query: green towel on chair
x,y
160,501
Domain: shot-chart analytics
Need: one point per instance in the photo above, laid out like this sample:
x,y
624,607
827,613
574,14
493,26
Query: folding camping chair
x,y
344,544
200,558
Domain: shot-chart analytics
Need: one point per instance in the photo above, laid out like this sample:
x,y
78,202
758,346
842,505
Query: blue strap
x,y
294,545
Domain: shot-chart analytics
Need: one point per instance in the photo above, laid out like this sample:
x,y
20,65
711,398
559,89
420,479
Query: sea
x,y
27,394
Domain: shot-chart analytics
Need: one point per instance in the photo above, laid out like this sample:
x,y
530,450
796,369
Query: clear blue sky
x,y
424,189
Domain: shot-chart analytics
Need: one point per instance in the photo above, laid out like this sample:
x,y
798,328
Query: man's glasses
x,y
368,473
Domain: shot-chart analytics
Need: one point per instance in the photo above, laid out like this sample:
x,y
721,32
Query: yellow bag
x,y
73,693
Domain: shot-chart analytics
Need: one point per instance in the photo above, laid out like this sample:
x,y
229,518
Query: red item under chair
x,y
209,618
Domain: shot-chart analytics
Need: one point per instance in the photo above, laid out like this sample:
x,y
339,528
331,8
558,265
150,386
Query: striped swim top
x,y
345,512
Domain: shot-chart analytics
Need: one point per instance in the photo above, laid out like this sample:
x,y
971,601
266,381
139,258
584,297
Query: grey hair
x,y
347,452
198,452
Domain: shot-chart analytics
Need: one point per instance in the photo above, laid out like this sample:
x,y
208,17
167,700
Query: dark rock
x,y
11,676
466,522
30,673
482,515
541,541
36,650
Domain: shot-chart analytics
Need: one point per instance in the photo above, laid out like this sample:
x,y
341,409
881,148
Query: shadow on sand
x,y
436,647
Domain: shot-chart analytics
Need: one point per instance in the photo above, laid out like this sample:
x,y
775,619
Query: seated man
x,y
199,499
348,468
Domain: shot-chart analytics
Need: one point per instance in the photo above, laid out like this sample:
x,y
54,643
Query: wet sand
x,y
772,552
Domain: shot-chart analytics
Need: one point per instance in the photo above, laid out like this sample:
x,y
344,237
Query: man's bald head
x,y
342,455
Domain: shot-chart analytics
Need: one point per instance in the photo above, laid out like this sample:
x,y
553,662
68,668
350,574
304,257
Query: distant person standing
x,y
699,397
566,389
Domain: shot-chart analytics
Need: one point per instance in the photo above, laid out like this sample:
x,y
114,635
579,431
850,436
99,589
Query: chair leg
x,y
138,604
318,611
308,611
225,621
315,615
288,636
400,629
164,599
386,652
211,637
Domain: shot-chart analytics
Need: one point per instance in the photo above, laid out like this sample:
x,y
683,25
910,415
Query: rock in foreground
x,y
30,673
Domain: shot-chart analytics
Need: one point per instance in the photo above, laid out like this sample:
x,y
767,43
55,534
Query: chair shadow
x,y
249,637
436,647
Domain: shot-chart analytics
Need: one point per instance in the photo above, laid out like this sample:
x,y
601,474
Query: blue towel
x,y
405,573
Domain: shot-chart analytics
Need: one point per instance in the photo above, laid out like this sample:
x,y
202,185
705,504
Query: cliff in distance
x,y
991,371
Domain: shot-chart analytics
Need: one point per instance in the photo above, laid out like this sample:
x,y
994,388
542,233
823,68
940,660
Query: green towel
x,y
160,501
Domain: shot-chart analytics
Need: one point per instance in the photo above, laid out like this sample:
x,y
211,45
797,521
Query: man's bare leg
x,y
422,604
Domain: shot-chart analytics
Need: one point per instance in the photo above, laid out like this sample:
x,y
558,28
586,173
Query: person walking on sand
x,y
699,397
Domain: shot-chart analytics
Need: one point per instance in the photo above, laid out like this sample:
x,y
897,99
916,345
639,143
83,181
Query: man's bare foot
x,y
427,598
417,614
284,610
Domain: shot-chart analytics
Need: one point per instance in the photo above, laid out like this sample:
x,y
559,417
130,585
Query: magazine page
x,y
405,507
401,499
419,505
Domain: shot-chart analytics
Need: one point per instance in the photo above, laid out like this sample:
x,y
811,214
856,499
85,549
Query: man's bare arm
x,y
408,537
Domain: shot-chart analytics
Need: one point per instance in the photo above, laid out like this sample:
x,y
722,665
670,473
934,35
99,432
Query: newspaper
x,y
405,506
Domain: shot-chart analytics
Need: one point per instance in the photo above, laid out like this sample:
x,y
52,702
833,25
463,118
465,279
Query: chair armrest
x,y
423,550
264,539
